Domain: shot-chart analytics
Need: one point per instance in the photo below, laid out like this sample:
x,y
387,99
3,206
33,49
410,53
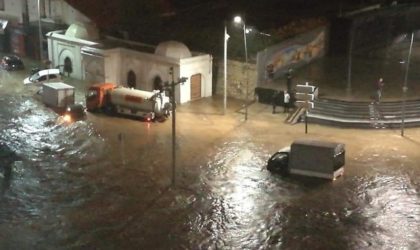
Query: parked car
x,y
12,63
42,76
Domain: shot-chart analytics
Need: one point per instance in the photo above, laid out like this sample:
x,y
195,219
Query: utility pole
x,y
225,38
173,102
247,74
171,88
350,57
41,49
405,88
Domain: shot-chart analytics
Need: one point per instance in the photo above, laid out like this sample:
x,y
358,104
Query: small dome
x,y
173,49
82,31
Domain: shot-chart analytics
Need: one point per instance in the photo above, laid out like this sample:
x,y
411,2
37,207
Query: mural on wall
x,y
297,51
295,54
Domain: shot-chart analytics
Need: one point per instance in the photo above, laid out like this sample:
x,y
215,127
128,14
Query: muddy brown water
x,y
104,182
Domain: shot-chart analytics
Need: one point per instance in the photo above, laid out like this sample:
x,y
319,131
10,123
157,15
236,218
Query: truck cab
x,y
96,95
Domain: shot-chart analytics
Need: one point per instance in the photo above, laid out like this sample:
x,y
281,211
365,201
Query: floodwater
x,y
104,183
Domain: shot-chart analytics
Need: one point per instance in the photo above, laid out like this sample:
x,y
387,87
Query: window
x,y
131,79
1,4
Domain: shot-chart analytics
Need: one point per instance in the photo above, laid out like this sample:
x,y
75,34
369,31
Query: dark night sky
x,y
199,23
261,12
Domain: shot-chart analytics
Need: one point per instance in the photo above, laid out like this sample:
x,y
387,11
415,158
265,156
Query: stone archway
x,y
131,79
67,55
68,66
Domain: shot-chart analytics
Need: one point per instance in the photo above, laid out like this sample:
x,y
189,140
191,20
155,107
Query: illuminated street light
x,y
238,20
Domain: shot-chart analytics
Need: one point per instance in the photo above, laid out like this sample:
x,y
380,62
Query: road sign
x,y
308,89
305,94
305,97
305,104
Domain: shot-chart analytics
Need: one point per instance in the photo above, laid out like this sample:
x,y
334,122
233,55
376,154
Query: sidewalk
x,y
331,75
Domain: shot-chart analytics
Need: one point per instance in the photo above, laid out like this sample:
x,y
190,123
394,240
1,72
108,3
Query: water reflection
x,y
71,188
247,207
47,178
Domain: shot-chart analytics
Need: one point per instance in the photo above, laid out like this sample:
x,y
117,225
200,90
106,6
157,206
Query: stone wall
x,y
236,79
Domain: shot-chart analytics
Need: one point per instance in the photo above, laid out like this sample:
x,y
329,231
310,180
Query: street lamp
x,y
40,31
405,88
239,20
226,38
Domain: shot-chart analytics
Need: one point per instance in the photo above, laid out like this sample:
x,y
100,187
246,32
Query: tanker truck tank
x,y
146,104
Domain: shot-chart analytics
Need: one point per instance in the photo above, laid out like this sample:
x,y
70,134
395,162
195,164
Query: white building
x,y
50,11
65,47
144,70
23,23
79,51
129,63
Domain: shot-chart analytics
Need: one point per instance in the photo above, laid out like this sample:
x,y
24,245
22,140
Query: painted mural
x,y
294,52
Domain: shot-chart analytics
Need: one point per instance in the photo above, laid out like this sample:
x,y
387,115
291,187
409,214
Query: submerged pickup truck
x,y
310,157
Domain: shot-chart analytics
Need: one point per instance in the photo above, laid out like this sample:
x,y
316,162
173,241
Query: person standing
x,y
289,77
379,87
286,101
274,100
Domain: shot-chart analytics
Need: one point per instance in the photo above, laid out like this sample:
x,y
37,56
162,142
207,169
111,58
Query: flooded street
x,y
104,183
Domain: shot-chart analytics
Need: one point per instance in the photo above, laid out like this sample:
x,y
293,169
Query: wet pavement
x,y
105,182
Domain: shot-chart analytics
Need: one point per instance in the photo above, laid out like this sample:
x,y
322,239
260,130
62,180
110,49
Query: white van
x,y
42,76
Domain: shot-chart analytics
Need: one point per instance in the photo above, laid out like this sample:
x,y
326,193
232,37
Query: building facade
x,y
26,21
81,55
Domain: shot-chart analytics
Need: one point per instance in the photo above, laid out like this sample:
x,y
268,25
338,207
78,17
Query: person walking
x,y
286,101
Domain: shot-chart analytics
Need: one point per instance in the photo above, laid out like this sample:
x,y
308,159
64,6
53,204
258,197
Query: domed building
x,y
147,68
65,46
79,53
173,49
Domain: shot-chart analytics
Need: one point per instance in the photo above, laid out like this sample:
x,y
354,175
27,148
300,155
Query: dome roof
x,y
82,31
173,49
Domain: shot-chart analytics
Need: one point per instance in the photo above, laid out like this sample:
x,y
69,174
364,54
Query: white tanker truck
x,y
126,101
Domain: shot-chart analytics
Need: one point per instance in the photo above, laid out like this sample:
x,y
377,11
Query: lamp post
x,y
405,88
239,20
40,31
225,38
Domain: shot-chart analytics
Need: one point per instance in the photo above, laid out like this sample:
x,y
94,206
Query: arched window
x,y
131,79
68,67
158,83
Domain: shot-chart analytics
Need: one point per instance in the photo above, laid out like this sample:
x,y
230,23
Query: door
x,y
195,87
